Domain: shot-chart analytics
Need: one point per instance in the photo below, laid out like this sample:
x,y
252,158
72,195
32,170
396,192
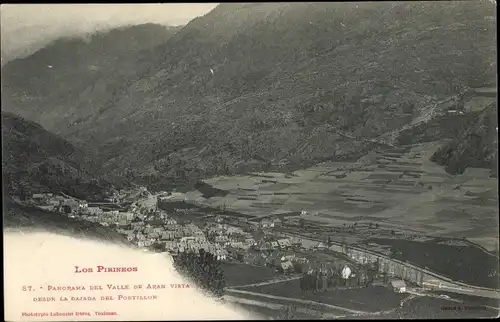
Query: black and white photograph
x,y
266,160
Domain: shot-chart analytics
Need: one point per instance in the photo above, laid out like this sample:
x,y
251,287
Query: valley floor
x,y
398,188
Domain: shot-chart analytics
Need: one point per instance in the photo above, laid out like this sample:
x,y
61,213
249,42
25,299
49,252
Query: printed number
x,y
492,273
28,288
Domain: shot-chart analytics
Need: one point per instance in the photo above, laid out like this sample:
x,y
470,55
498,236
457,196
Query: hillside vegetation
x,y
475,146
35,160
287,79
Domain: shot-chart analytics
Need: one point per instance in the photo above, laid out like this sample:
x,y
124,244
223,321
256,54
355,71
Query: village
x,y
232,240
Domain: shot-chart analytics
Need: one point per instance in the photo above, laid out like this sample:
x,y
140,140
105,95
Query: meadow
x,y
397,188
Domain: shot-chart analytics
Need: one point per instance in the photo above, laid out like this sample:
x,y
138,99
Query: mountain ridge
x,y
287,79
35,160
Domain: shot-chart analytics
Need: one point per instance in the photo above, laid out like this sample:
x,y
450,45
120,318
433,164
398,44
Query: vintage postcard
x,y
242,161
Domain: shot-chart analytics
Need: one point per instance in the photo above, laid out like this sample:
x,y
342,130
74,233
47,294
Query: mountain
x,y
76,75
264,86
34,160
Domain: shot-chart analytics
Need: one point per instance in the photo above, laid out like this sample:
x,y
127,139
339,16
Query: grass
x,y
369,298
209,191
309,309
432,308
467,264
242,274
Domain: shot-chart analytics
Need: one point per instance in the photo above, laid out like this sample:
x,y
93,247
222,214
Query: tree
x,y
22,193
158,247
288,312
385,277
204,269
329,242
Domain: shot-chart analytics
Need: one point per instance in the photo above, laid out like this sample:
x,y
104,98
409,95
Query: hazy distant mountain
x,y
258,86
78,74
34,160
27,28
21,40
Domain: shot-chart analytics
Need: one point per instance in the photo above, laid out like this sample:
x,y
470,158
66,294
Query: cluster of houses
x,y
163,231
153,228
278,243
56,203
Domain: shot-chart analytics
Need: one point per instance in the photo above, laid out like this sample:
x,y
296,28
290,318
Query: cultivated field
x,y
467,264
370,299
397,188
242,274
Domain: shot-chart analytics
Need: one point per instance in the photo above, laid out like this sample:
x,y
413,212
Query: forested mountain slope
x,y
267,85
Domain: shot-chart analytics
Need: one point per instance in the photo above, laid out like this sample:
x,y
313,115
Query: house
x,y
399,286
73,204
221,254
321,246
262,246
186,239
111,213
222,240
112,200
288,258
295,241
286,267
170,221
144,243
122,223
249,241
346,272
275,245
167,235
284,243
277,222
83,205
154,234
236,244
171,246
124,216
266,223
231,230
47,208
455,112
54,203
175,196
38,197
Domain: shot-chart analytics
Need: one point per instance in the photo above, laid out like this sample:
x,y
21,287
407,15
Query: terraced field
x,y
397,187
